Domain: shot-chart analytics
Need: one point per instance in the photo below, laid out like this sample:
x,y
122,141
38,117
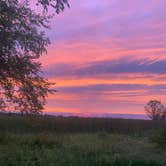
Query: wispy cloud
x,y
123,65
107,56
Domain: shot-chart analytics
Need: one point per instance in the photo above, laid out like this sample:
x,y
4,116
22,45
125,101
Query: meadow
x,y
73,141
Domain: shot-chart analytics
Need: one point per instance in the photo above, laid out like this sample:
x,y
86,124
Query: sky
x,y
107,57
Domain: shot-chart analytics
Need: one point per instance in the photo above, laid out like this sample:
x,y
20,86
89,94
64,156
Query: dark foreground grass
x,y
29,142
52,149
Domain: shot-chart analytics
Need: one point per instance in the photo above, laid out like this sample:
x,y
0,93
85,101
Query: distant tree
x,y
22,87
155,110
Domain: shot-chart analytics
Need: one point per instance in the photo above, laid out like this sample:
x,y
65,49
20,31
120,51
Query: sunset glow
x,y
107,57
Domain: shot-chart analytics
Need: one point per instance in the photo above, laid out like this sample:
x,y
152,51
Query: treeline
x,y
25,124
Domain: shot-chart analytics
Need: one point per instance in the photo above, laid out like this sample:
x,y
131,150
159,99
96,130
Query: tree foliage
x,y
155,110
22,87
58,5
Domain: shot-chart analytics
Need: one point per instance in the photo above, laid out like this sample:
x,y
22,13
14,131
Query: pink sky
x,y
107,56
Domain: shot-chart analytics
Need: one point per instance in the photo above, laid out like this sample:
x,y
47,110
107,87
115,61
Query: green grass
x,y
29,142
78,150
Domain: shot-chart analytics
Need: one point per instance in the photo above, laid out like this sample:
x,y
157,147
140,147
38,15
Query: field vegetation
x,y
73,141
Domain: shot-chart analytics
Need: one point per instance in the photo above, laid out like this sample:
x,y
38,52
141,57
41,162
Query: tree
x,y
155,110
58,5
22,87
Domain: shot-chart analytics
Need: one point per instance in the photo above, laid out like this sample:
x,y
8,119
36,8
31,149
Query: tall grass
x,y
60,141
39,124
78,150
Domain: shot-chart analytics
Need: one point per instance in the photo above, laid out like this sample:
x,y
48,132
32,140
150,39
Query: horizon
x,y
107,57
93,115
107,115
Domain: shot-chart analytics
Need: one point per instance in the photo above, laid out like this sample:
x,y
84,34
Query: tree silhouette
x,y
22,87
58,5
155,110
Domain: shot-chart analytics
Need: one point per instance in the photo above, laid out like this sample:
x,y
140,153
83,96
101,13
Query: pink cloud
x,y
102,31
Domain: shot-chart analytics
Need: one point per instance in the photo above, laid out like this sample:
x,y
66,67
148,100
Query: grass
x,y
29,142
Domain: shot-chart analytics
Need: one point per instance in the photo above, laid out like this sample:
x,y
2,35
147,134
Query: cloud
x,y
124,66
119,66
107,56
100,88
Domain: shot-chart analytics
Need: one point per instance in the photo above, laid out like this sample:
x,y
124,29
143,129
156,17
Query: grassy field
x,y
58,141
